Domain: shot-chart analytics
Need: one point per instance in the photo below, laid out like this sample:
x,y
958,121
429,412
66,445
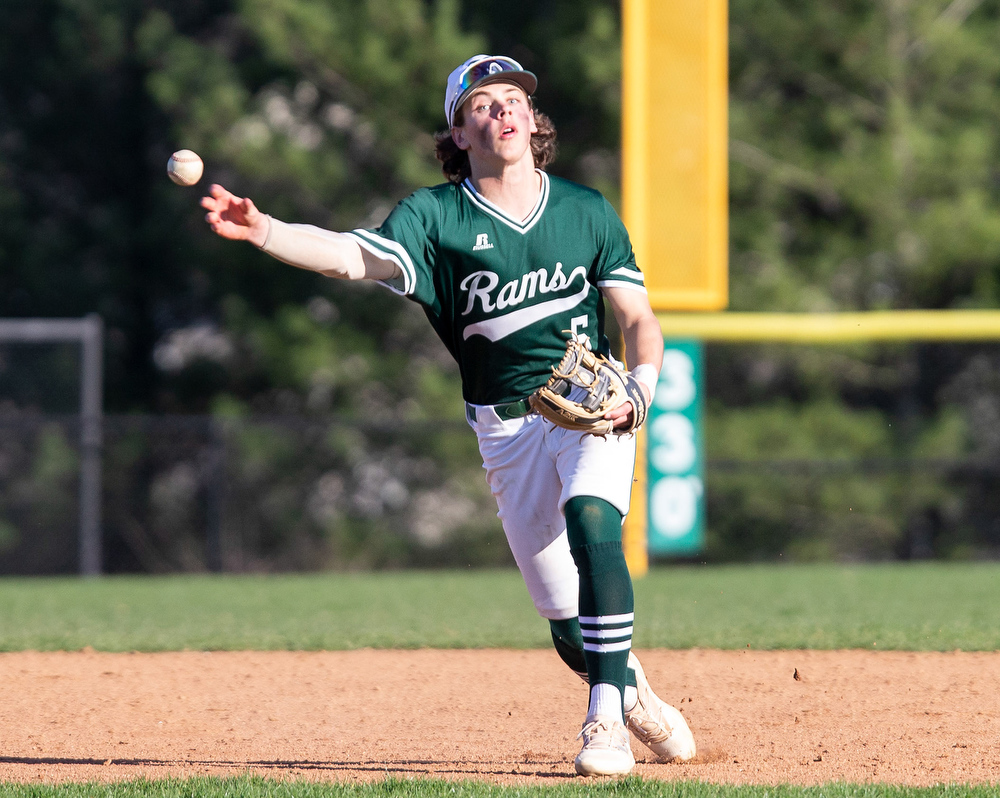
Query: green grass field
x,y
920,607
928,606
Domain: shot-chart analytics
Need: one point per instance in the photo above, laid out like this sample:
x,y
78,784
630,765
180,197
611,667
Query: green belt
x,y
506,412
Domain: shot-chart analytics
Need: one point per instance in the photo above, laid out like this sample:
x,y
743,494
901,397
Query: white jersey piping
x,y
522,226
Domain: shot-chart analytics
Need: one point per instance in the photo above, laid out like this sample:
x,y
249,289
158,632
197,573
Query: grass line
x,y
919,607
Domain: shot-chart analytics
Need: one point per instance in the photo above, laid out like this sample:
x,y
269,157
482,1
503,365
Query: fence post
x,y
91,440
215,477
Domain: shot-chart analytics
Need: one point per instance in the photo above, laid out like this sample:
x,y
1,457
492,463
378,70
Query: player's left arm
x,y
643,343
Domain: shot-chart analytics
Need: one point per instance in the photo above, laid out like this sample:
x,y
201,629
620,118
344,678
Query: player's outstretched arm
x,y
301,245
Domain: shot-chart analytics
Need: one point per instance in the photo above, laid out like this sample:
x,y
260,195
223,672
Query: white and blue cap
x,y
479,70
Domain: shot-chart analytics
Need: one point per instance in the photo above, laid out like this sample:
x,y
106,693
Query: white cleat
x,y
606,749
656,724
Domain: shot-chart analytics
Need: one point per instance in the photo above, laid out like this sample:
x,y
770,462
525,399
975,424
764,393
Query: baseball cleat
x,y
606,749
656,724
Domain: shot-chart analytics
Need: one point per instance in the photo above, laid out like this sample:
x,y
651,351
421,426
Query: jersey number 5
x,y
575,324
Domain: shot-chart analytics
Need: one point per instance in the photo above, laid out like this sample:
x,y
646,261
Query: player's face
x,y
497,123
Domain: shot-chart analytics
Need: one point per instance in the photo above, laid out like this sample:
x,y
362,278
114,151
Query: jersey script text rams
x,y
503,293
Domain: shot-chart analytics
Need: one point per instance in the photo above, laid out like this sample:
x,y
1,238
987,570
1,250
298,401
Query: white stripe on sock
x,y
623,631
624,645
604,620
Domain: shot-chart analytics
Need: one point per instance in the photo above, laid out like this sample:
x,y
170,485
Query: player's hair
x,y
455,161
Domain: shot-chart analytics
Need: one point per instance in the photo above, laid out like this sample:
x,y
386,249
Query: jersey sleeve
x,y
407,237
616,266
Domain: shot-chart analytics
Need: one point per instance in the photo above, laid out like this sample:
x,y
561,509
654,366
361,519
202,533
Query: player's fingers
x,y
225,228
250,211
622,410
215,221
218,198
620,415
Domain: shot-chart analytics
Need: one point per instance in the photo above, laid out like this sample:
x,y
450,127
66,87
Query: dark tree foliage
x,y
864,143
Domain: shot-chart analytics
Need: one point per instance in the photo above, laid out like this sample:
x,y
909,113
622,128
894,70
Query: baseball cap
x,y
479,70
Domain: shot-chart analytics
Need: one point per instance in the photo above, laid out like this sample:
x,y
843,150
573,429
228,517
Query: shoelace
x,y
595,727
644,724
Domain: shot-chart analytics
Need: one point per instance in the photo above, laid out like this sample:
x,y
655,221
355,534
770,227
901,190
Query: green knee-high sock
x,y
568,641
606,601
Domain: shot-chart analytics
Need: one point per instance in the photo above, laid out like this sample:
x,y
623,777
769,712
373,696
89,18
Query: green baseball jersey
x,y
503,293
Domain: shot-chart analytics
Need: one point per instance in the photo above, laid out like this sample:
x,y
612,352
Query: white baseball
x,y
185,167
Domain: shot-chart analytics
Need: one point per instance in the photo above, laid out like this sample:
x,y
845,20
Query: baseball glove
x,y
602,385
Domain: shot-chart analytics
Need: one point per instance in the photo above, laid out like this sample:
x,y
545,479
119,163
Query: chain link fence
x,y
198,494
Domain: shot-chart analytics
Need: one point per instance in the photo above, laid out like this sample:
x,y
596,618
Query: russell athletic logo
x,y
482,242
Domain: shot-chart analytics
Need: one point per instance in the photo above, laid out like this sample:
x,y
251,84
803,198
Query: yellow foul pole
x,y
674,172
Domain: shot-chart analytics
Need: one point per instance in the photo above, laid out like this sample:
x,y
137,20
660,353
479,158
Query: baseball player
x,y
507,262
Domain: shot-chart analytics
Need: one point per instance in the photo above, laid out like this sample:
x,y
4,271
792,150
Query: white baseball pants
x,y
533,468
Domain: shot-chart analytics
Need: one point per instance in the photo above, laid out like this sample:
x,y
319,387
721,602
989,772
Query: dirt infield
x,y
509,717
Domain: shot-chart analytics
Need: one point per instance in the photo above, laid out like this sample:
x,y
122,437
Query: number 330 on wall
x,y
676,481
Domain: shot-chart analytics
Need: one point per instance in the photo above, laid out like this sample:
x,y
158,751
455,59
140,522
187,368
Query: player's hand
x,y
235,218
622,415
